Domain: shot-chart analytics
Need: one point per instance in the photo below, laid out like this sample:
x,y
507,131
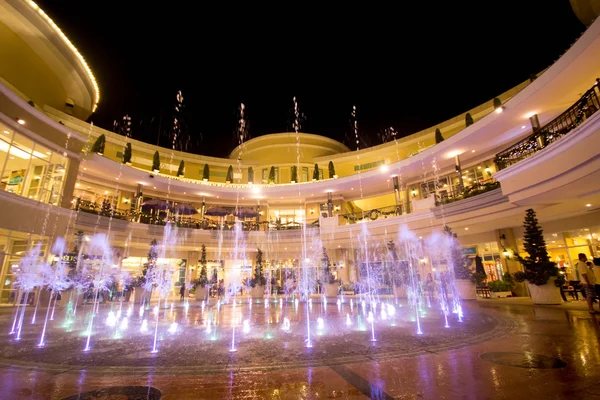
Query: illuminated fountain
x,y
420,271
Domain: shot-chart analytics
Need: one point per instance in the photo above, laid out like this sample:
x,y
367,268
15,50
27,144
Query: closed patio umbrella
x,y
245,212
184,209
217,211
155,204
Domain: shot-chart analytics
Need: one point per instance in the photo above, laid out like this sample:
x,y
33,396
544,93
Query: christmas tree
x,y
127,153
328,277
181,169
203,278
156,161
461,270
536,265
259,278
98,146
438,136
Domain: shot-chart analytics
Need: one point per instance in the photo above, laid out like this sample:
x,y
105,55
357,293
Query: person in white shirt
x,y
588,280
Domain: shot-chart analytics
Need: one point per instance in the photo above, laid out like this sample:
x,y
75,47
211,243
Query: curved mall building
x,y
533,146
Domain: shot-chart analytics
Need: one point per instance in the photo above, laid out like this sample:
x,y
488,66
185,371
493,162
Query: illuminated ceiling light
x,y
20,121
472,151
530,114
523,126
70,45
384,168
7,132
588,205
499,109
453,153
466,229
255,190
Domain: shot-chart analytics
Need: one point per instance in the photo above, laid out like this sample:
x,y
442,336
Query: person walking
x,y
588,280
182,292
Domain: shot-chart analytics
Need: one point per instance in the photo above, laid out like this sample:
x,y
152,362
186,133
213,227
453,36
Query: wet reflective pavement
x,y
540,353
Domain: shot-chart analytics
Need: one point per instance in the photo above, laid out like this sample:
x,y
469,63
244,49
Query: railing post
x,y
535,126
329,204
397,195
461,186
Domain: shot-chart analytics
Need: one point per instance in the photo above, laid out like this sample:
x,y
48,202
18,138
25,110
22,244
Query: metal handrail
x,y
585,107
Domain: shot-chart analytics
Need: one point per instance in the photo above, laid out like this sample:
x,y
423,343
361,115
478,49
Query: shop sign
x,y
469,251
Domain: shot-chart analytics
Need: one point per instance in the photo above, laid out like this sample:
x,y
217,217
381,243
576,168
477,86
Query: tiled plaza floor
x,y
549,352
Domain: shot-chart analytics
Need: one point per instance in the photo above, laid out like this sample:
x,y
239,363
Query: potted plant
x,y
294,174
272,175
127,154
202,280
468,119
497,103
205,173
464,279
502,288
330,284
229,177
181,169
540,274
438,136
258,281
316,173
98,146
332,170
250,175
156,162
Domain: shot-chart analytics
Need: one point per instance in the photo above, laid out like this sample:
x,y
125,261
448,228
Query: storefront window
x,y
30,169
13,246
564,248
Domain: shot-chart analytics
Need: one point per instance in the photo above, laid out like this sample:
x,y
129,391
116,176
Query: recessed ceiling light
x,y
523,127
466,229
472,151
588,205
7,132
20,121
154,187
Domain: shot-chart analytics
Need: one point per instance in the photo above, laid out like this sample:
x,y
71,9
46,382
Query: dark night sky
x,y
409,67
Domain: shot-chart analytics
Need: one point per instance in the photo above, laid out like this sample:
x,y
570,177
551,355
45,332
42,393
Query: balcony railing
x,y
574,116
470,191
187,222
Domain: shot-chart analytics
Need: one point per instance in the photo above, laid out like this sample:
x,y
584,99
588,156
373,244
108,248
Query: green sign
x,y
469,251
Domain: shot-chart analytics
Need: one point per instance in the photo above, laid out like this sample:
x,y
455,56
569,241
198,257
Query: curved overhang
x,y
552,92
41,33
260,142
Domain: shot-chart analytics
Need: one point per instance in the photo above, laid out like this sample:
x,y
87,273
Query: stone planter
x,y
498,295
400,291
201,293
545,294
466,289
257,292
331,289
140,296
